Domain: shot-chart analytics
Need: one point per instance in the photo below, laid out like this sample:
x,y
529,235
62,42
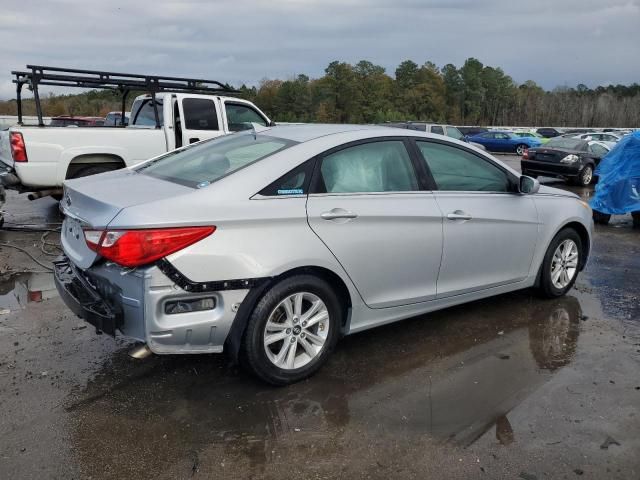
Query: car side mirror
x,y
528,185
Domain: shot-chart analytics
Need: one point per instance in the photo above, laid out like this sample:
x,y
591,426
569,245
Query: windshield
x,y
142,112
453,132
202,164
566,143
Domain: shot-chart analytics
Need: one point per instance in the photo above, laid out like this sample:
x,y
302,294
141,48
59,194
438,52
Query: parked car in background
x,y
71,121
261,242
572,159
618,188
505,141
470,131
114,119
600,136
529,133
549,132
437,128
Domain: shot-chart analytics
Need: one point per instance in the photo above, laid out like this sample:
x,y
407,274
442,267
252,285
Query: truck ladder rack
x,y
122,82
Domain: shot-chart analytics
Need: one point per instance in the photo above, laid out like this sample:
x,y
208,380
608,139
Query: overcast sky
x,y
553,42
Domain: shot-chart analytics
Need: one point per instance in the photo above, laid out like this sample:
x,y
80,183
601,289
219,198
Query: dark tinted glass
x,y
296,182
200,114
437,129
567,143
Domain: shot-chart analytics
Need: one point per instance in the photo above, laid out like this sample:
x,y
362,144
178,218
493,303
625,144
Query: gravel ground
x,y
509,387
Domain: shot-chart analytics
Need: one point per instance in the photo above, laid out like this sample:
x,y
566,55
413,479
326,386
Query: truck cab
x,y
190,118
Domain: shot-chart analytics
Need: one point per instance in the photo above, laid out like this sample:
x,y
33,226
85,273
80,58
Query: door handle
x,y
337,213
459,215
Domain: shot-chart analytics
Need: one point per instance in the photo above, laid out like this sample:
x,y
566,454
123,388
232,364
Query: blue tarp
x,y
618,187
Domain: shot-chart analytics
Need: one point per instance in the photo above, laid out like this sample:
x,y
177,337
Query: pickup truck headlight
x,y
571,158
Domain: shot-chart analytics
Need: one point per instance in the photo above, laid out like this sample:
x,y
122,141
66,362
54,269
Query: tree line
x,y
473,94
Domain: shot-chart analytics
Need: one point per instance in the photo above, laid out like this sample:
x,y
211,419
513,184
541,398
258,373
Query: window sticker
x,y
291,191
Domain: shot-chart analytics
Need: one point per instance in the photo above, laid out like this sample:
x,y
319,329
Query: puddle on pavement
x,y
17,291
450,377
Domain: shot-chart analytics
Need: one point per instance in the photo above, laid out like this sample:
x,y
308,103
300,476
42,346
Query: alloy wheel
x,y
564,264
296,331
587,175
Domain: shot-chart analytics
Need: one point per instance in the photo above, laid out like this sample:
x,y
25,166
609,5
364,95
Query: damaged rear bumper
x,y
141,304
83,300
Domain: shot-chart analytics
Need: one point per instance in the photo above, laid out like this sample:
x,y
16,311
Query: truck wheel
x,y
601,218
292,330
93,170
636,219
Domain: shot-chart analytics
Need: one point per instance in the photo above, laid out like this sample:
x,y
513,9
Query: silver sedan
x,y
273,243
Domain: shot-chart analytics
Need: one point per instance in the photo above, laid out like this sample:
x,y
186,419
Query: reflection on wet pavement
x,y
451,376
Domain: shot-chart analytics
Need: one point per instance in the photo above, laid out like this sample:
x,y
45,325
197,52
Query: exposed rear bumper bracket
x,y
190,286
83,299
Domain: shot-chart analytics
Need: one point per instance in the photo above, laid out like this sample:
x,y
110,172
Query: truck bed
x,y
50,150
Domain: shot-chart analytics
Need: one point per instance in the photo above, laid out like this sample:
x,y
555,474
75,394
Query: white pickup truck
x,y
38,159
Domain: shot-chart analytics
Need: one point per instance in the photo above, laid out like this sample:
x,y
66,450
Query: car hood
x,y
546,190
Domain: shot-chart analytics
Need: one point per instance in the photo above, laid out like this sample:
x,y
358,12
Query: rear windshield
x,y
202,164
567,143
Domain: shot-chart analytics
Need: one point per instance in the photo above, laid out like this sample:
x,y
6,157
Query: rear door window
x,y
437,129
200,114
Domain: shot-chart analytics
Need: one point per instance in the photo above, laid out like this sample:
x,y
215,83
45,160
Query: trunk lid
x,y
92,202
553,155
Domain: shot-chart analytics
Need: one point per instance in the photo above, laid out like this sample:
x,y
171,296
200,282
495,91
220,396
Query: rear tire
x,y
561,264
601,218
585,177
278,315
636,219
520,149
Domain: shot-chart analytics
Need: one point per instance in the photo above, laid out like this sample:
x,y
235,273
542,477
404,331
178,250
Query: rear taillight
x,y
134,248
525,155
18,149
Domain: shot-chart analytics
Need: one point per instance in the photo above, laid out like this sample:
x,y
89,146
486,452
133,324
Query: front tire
x,y
292,330
561,264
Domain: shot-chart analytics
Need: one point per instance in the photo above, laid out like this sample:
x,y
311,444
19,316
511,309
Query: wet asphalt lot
x,y
509,387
